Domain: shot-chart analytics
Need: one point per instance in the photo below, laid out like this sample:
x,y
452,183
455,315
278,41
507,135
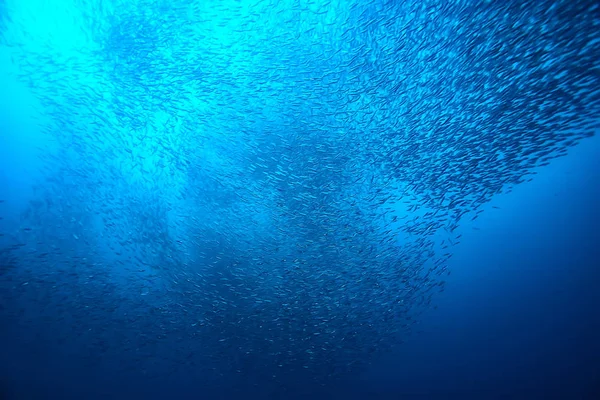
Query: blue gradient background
x,y
519,317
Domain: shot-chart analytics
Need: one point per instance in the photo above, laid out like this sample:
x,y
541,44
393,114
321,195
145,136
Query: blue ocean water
x,y
299,199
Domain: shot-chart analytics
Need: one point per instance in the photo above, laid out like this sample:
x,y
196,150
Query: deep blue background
x,y
519,317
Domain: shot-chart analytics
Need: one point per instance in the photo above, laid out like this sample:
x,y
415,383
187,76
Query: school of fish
x,y
269,191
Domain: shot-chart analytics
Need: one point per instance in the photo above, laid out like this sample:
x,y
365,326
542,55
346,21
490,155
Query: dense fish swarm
x,y
270,189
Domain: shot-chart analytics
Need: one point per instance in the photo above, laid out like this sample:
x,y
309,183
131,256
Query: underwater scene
x,y
299,199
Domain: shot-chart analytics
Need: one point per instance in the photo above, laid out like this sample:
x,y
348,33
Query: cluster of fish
x,y
271,189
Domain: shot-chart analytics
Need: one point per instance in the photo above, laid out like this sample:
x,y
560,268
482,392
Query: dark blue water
x,y
520,317
299,199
